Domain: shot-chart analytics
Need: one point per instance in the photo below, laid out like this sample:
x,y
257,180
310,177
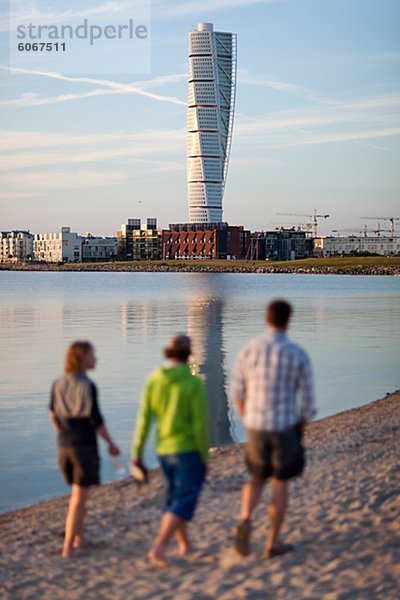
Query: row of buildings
x,y
134,241
137,241
61,246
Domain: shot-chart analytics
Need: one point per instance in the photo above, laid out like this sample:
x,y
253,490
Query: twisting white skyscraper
x,y
211,103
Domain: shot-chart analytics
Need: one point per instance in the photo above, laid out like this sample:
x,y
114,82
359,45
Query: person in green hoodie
x,y
175,400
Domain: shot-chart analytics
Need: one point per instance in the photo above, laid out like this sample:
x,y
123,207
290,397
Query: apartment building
x,y
98,249
336,246
139,242
16,245
62,246
205,240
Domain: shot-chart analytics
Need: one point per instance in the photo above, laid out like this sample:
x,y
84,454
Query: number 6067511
x,y
42,47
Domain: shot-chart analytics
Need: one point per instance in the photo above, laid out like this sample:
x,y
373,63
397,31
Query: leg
x,y
78,538
183,541
251,496
170,523
76,513
277,511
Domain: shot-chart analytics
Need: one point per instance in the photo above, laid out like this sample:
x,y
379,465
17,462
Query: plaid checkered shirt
x,y
268,374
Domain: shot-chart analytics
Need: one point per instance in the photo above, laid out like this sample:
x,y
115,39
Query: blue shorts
x,y
184,473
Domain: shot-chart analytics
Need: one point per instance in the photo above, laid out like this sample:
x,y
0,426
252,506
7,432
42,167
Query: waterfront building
x,y
211,240
147,242
95,249
63,246
211,103
280,244
124,239
16,245
135,241
337,246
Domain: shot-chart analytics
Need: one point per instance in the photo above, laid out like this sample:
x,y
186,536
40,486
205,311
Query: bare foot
x,y
67,552
78,542
157,560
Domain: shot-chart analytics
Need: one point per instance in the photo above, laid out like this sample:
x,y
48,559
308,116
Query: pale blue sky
x,y
317,122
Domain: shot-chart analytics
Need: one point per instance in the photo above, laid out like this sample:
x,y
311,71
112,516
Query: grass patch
x,y
346,263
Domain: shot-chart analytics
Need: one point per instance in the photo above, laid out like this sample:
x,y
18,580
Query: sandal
x,y
278,550
242,538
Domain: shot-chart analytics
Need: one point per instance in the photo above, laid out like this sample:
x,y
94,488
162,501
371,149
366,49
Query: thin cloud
x,y
169,8
374,146
160,10
29,99
381,110
107,10
113,85
318,138
346,137
22,151
147,141
60,179
4,196
245,78
262,81
33,160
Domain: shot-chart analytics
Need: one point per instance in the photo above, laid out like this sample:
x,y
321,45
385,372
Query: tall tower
x,y
211,103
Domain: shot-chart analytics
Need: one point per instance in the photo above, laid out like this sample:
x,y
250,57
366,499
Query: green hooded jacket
x,y
175,400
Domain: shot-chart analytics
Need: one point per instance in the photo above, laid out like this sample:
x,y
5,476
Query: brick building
x,y
205,240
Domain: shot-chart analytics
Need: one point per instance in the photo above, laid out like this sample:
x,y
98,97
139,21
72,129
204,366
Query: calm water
x,y
349,325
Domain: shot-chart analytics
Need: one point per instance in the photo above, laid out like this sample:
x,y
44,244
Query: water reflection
x,y
205,320
201,318
140,319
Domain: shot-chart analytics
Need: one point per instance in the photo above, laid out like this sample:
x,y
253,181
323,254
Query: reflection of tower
x,y
205,330
139,319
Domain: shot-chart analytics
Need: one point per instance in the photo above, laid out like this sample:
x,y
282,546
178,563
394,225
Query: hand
x,y
240,407
139,470
113,450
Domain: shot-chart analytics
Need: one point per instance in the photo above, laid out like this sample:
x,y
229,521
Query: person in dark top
x,y
76,417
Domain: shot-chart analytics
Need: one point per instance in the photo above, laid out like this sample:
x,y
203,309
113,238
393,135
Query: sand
x,y
343,520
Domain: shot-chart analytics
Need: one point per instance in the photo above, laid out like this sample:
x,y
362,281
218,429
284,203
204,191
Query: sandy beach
x,y
343,521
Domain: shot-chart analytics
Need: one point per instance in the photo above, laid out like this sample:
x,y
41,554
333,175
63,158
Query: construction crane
x,y
314,217
307,227
390,219
379,230
361,232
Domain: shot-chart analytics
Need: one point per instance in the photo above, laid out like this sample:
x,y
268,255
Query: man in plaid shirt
x,y
269,372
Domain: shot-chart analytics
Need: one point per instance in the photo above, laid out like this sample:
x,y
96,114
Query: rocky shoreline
x,y
343,521
391,270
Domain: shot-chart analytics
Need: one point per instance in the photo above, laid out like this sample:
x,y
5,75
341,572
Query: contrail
x,y
114,85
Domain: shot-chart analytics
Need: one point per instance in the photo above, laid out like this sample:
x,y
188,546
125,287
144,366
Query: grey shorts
x,y
79,465
278,454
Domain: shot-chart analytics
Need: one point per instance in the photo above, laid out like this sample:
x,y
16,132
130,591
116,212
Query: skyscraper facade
x,y
211,103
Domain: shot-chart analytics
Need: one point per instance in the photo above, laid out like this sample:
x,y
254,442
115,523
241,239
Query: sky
x,y
317,122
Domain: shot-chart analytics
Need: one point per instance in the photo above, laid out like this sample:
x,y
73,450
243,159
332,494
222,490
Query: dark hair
x,y
75,357
178,354
278,313
178,347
